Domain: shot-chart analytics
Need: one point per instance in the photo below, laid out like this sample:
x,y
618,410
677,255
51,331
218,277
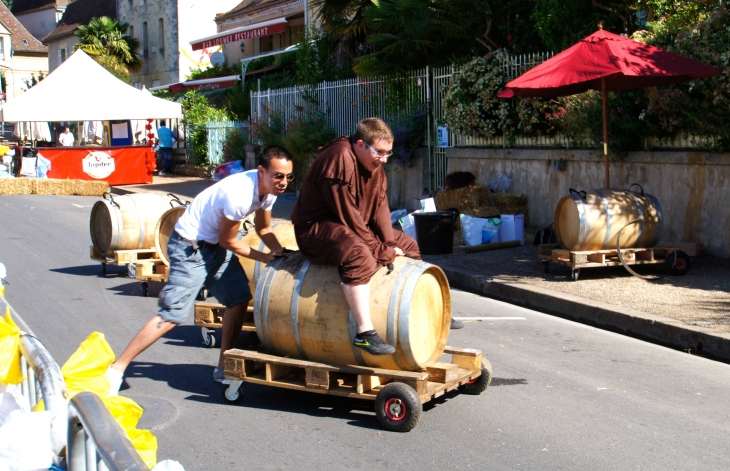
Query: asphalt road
x,y
564,395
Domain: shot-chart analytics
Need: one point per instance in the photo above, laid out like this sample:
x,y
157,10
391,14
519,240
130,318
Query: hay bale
x,y
51,186
15,186
480,202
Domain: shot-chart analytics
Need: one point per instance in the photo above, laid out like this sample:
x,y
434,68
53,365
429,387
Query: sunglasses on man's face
x,y
281,176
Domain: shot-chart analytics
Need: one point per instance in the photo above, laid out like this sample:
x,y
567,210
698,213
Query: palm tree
x,y
106,40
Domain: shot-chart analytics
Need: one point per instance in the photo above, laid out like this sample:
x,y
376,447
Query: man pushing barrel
x,y
203,249
342,218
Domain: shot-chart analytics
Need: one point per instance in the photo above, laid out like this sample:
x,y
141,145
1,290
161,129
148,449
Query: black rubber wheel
x,y
145,288
480,384
398,407
678,263
232,396
203,294
574,274
546,265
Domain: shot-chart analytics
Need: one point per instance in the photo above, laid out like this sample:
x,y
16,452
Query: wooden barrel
x,y
300,311
163,230
284,232
126,222
591,220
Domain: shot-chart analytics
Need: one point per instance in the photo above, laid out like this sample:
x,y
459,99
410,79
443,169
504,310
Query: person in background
x,y
202,251
166,140
66,139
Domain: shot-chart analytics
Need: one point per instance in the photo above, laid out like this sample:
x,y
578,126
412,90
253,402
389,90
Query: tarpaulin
x,y
115,165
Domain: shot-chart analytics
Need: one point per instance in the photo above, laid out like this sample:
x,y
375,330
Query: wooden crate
x,y
125,257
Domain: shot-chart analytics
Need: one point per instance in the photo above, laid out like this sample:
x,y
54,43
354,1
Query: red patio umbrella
x,y
607,62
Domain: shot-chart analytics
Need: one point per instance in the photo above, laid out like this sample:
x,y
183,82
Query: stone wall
x,y
692,187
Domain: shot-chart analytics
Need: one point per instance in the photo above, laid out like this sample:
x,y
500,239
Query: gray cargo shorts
x,y
211,265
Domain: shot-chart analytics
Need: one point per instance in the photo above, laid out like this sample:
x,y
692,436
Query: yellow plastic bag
x,y
10,372
127,413
86,369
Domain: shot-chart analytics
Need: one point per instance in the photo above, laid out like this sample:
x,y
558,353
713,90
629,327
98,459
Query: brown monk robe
x,y
342,216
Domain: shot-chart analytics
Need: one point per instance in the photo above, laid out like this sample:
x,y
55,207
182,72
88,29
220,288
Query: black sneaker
x,y
371,342
456,324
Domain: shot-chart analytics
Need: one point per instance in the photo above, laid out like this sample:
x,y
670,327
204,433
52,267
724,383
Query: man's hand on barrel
x,y
399,252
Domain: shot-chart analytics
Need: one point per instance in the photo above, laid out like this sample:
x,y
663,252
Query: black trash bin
x,y
435,232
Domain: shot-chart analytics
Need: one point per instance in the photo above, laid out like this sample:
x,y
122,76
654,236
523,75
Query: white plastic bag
x,y
472,229
408,224
500,184
168,465
25,437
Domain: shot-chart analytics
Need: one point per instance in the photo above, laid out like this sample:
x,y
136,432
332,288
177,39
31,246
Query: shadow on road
x,y
92,270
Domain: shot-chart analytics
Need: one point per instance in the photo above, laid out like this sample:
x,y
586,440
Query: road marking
x,y
80,205
479,319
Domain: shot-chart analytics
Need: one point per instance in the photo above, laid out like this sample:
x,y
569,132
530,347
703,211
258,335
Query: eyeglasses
x,y
281,176
382,155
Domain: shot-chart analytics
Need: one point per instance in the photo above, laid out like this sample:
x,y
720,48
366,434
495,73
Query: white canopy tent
x,y
82,90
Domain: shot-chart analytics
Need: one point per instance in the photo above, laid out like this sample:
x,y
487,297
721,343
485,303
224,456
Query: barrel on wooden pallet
x,y
163,230
284,232
591,220
300,311
125,222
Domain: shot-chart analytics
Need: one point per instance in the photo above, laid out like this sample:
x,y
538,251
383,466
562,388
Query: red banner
x,y
236,37
115,165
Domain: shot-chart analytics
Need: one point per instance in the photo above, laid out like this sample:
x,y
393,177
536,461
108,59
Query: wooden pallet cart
x,y
677,261
209,316
399,395
123,258
146,271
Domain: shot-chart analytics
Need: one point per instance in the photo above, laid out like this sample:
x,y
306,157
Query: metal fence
x,y
347,101
95,440
218,135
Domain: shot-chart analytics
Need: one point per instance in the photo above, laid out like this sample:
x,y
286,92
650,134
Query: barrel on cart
x,y
300,311
125,222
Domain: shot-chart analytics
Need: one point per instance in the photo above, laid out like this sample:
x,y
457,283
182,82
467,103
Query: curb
x,y
642,325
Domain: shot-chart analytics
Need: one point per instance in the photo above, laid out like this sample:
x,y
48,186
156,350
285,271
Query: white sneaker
x,y
115,378
218,375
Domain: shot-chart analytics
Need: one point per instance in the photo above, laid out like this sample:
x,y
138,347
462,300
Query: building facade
x,y
62,39
39,17
254,40
165,30
23,58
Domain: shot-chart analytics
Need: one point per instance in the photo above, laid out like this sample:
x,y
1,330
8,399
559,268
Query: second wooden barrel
x,y
591,220
126,222
300,311
284,232
163,230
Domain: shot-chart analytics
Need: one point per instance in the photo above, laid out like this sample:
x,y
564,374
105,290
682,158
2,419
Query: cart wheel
x,y
574,274
546,265
398,407
208,337
103,268
145,288
678,263
203,294
232,392
478,385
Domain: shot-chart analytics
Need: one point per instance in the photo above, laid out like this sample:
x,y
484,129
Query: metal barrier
x,y
95,440
42,374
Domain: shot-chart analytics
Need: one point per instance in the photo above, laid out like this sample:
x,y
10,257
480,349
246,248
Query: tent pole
x,y
605,129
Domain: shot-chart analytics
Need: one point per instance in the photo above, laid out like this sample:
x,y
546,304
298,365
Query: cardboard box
x,y
513,228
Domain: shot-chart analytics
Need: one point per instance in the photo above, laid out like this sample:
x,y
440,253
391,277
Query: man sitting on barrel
x,y
342,218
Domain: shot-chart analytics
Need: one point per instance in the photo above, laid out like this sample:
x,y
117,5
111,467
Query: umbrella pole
x,y
605,129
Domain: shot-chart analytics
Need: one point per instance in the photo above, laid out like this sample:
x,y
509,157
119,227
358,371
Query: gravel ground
x,y
700,297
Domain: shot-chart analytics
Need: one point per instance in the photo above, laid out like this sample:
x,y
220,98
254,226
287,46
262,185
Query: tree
x,y
107,42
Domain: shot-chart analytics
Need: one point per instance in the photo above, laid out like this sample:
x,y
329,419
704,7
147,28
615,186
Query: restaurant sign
x,y
98,164
239,36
